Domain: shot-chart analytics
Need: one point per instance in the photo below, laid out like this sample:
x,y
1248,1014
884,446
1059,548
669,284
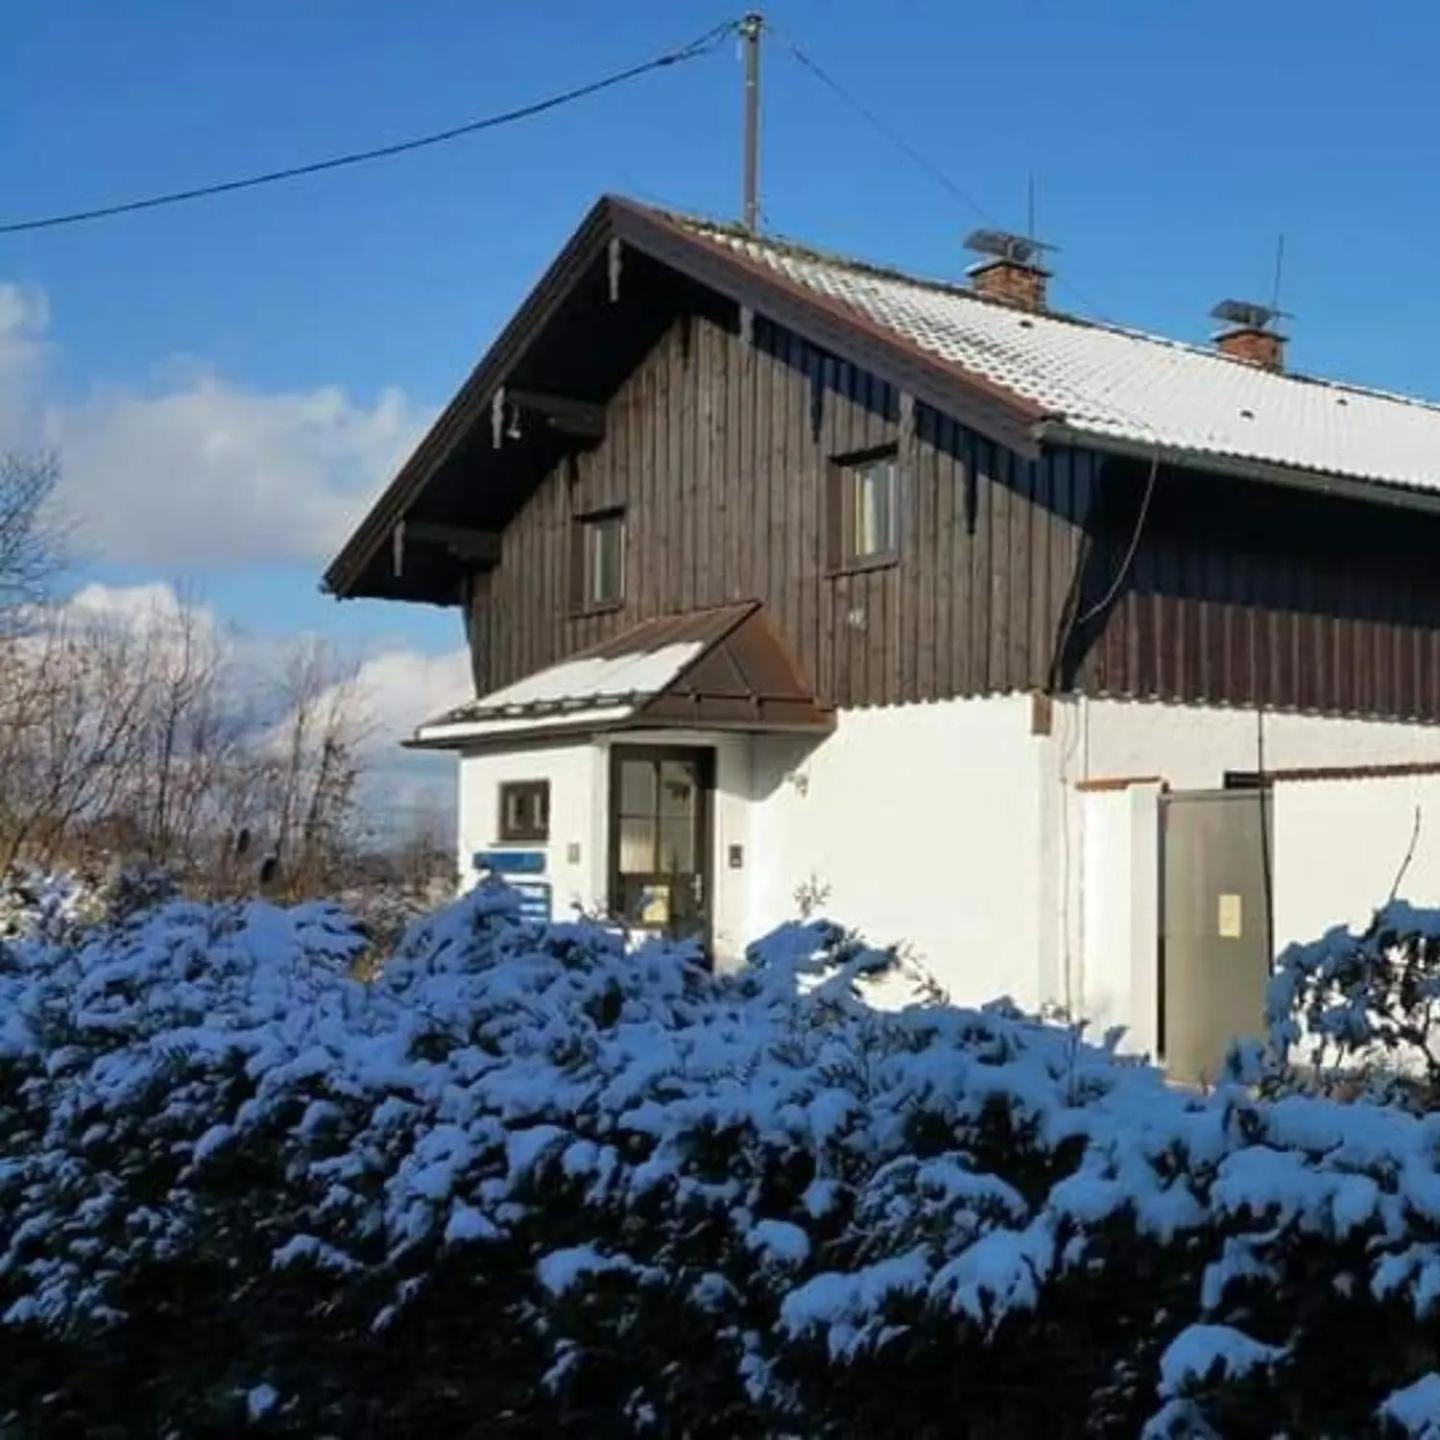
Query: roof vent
x,y
1011,270
1250,334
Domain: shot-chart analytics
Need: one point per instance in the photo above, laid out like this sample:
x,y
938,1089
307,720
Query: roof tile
x,y
1116,384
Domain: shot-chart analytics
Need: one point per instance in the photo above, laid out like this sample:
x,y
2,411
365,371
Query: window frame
x,y
842,478
582,601
536,830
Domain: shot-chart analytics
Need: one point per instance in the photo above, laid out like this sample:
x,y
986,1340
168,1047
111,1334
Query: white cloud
x,y
195,469
398,690
211,473
155,603
24,317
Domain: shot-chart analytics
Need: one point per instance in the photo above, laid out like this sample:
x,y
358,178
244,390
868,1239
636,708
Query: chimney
x,y
1249,334
1010,271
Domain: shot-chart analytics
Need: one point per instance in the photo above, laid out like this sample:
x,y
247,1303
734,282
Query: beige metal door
x,y
1215,943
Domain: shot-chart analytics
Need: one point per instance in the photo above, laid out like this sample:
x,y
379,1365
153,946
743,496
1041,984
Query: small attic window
x,y
863,510
597,578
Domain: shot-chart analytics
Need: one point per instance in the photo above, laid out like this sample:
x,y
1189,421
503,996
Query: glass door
x,y
659,839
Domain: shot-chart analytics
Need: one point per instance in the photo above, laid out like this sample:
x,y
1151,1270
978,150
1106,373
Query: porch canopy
x,y
718,669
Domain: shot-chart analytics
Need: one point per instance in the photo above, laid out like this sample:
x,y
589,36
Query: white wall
x,y
1115,980
1192,746
579,776
923,824
1340,845
951,827
575,852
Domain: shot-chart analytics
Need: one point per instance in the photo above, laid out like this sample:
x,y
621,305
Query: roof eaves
x,y
1371,489
468,403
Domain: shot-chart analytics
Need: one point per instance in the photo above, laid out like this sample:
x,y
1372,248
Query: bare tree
x,y
32,536
139,737
71,729
315,769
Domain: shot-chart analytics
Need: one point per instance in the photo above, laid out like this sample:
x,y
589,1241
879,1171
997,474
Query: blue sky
x,y
224,379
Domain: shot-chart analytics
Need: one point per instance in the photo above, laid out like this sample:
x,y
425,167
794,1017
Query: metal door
x,y
1216,935
660,839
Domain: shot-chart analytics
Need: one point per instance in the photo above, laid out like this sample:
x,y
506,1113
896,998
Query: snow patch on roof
x,y
1115,384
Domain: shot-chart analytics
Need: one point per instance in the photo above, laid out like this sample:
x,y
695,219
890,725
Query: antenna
x,y
1279,269
1022,249
750,28
1030,206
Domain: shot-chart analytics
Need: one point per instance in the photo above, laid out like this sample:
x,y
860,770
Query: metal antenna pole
x,y
750,28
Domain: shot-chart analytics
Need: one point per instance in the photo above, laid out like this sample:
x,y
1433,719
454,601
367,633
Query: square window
x,y
599,578
864,518
525,810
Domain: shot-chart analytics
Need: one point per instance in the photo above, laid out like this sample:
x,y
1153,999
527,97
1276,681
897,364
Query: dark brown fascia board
x,y
1002,415
1369,492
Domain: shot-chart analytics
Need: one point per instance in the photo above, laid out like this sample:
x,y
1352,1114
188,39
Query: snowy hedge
x,y
529,1183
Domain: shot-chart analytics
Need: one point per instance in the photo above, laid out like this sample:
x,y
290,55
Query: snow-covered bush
x,y
1358,1010
529,1182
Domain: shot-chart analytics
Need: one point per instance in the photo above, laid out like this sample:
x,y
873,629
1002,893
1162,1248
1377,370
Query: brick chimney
x,y
1016,282
1010,270
1249,335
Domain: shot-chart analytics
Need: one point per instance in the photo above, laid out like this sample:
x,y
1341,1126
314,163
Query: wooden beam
x,y
613,262
572,417
481,546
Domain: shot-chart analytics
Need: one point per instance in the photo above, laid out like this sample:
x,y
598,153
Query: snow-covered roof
x,y
1113,385
582,690
717,666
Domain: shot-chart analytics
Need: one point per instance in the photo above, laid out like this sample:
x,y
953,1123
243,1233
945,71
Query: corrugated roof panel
x,y
1122,385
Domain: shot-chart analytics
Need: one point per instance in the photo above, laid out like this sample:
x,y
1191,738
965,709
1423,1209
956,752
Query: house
x,y
1090,664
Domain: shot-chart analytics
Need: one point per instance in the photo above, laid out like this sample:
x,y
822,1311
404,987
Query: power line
x,y
894,136
917,157
700,46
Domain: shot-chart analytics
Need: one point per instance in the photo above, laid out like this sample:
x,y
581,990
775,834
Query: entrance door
x,y
1217,858
659,839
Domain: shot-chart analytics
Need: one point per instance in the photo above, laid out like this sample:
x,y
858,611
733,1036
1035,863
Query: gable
x,y
626,275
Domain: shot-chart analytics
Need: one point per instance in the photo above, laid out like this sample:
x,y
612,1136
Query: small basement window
x,y
864,510
598,580
525,810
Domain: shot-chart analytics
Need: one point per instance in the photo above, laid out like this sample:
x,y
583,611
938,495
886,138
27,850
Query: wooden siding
x,y
718,450
1238,592
1247,593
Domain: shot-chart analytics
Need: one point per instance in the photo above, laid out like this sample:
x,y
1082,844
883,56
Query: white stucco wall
x,y
1340,846
575,851
1192,746
954,829
1115,980
920,824
1337,843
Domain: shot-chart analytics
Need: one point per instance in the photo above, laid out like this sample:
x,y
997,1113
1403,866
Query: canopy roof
x,y
716,669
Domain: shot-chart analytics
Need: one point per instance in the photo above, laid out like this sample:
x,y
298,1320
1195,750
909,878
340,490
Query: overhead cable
x,y
700,46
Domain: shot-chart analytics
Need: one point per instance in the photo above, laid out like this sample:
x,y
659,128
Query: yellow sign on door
x,y
1232,917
